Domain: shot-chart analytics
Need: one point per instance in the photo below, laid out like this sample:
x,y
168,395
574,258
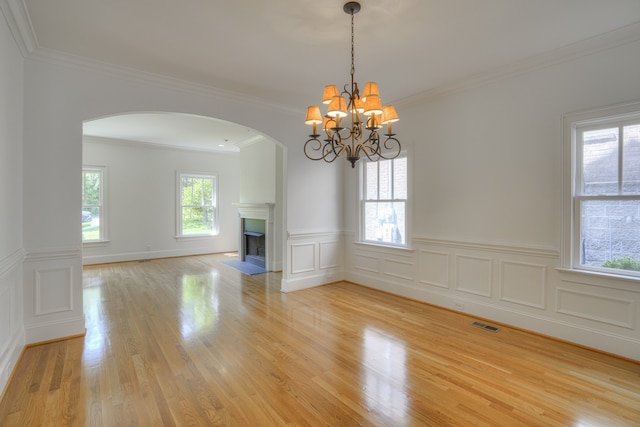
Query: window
x,y
197,215
93,190
605,217
384,202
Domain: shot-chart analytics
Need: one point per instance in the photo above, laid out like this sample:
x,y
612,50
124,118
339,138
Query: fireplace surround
x,y
256,234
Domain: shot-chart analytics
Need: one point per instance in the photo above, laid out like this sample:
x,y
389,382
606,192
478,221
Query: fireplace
x,y
256,234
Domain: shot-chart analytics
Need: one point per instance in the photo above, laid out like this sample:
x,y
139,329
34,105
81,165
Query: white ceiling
x,y
285,51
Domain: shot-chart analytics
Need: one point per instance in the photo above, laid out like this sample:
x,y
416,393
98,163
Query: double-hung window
x,y
384,202
605,193
197,210
93,210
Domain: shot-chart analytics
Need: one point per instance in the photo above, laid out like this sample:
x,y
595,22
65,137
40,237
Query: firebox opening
x,y
254,246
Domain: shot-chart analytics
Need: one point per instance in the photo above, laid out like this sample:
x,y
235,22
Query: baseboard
x,y
306,282
10,360
143,255
54,330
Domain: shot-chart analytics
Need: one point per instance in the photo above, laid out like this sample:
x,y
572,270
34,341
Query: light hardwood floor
x,y
190,341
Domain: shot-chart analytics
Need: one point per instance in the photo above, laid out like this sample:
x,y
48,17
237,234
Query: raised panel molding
x,y
473,275
523,283
398,269
367,263
6,316
53,291
303,257
433,268
52,294
599,308
329,253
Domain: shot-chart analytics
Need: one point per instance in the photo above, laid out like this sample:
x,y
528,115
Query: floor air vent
x,y
485,326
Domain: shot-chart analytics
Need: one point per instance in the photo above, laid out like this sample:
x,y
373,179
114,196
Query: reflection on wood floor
x,y
190,341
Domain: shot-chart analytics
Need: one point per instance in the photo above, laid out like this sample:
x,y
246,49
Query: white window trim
x,y
216,228
408,207
570,242
104,223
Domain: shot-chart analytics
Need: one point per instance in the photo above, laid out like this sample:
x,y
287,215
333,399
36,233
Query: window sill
x,y
381,246
95,243
196,237
599,274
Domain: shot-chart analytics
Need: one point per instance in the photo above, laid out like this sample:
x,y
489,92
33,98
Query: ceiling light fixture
x,y
351,141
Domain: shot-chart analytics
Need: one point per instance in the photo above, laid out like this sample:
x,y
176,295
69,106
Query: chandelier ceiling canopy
x,y
352,122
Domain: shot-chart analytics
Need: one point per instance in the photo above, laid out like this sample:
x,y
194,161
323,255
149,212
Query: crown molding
x,y
608,40
17,17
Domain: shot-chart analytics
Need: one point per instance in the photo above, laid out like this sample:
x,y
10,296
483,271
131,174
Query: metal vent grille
x,y
485,326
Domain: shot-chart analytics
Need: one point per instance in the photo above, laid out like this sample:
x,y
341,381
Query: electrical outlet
x,y
459,306
148,248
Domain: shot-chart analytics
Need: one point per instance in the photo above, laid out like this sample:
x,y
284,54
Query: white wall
x,y
11,250
258,177
141,200
487,205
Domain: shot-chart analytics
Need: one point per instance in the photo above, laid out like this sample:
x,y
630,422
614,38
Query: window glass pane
x,y
91,204
197,220
384,167
631,160
400,178
384,222
207,191
600,161
371,180
91,224
91,188
610,235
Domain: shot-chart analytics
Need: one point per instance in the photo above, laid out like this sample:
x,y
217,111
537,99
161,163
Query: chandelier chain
x,y
353,67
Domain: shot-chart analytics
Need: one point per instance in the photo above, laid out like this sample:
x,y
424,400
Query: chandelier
x,y
351,115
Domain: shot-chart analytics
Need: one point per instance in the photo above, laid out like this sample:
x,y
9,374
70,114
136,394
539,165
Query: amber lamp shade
x,y
337,107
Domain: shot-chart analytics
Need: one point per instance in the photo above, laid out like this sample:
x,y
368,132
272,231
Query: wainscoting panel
x,y
330,254
54,291
433,268
52,294
597,307
367,263
398,269
7,311
303,257
523,283
473,275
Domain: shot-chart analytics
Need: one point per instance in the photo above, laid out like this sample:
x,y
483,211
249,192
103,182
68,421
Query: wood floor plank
x,y
192,342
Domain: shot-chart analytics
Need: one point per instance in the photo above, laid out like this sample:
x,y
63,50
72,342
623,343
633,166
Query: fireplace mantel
x,y
263,211
256,210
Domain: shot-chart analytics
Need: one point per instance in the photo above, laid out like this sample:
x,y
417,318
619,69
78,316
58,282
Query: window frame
x,y
194,174
575,125
362,200
103,228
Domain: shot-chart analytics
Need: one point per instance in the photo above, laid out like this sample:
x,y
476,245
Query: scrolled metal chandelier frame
x,y
351,141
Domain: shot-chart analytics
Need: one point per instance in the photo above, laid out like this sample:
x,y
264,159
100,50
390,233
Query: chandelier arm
x,y
392,148
315,149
